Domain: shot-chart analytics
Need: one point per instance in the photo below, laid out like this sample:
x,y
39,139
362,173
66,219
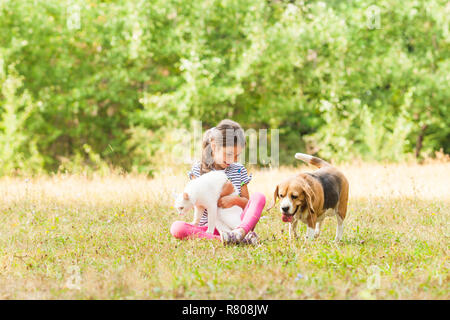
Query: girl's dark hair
x,y
226,133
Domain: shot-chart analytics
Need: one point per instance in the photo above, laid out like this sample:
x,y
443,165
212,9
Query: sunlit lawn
x,y
66,237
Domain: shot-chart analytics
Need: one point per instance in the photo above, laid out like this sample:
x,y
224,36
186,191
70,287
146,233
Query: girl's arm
x,y
243,199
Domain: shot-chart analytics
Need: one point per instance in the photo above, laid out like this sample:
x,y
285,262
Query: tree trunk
x,y
420,140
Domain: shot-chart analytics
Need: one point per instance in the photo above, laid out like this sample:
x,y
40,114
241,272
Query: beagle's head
x,y
295,197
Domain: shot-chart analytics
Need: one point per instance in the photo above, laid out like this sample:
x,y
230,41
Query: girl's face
x,y
224,156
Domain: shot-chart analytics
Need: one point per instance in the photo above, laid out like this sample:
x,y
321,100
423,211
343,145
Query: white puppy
x,y
204,192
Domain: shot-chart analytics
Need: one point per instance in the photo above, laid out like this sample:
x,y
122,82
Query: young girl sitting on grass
x,y
222,146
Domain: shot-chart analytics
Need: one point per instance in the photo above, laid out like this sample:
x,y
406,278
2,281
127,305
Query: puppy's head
x,y
295,196
182,203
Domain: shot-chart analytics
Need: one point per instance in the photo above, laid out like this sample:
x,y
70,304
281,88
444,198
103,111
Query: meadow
x,y
107,237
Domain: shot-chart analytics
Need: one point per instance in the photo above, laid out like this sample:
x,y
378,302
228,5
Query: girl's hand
x,y
226,202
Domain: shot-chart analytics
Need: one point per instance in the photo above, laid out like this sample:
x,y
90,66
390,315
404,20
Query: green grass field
x,y
74,237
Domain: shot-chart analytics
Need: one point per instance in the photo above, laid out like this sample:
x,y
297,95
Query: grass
x,y
76,237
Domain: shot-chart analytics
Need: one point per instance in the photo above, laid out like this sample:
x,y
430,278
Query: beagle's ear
x,y
275,196
185,196
309,196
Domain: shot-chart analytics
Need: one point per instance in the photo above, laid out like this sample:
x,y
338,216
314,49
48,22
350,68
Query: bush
x,y
331,75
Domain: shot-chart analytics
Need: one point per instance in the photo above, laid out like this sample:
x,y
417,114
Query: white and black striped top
x,y
235,172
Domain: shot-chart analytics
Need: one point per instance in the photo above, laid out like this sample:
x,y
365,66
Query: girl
x,y
222,146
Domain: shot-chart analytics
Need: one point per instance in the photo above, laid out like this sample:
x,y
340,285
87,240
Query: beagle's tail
x,y
312,160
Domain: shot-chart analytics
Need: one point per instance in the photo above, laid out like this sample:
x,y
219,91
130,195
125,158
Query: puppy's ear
x,y
275,196
185,196
310,197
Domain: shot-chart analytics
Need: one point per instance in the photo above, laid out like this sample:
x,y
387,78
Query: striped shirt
x,y
235,172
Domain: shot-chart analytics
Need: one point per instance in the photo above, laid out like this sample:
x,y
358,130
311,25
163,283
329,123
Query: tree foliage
x,y
344,79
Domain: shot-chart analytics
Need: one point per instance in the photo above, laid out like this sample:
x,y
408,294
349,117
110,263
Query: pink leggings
x,y
249,217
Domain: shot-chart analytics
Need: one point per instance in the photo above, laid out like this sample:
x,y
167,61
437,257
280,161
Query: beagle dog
x,y
310,197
